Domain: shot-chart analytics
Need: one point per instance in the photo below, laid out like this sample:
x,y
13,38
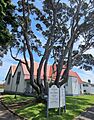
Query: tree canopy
x,y
6,19
67,30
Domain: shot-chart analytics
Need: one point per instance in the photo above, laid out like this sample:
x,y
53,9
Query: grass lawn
x,y
9,99
74,105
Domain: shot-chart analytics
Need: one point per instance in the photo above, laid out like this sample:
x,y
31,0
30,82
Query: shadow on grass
x,y
74,105
9,99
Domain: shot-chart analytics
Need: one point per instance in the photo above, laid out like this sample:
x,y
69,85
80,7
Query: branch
x,y
25,34
24,54
15,58
65,75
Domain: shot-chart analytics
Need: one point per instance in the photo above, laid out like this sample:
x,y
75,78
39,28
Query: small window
x,y
84,91
18,77
80,86
85,85
9,78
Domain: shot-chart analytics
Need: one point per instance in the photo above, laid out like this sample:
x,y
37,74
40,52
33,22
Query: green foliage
x,y
6,19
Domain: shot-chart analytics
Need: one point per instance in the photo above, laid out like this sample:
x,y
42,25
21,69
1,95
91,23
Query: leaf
x,y
39,26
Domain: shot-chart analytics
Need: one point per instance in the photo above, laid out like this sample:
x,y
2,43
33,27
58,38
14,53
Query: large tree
x,y
62,25
6,19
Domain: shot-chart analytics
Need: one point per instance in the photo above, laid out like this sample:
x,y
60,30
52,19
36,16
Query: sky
x,y
8,61
85,75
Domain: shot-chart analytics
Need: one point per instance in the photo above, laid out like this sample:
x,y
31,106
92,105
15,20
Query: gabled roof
x,y
74,74
36,64
49,72
12,69
25,71
79,79
71,74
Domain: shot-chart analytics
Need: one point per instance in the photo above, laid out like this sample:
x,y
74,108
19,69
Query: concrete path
x,y
6,115
87,115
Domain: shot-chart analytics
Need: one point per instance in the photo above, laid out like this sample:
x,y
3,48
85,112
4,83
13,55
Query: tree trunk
x,y
45,75
16,91
59,68
68,67
45,56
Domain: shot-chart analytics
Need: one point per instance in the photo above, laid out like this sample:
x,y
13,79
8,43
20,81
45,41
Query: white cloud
x,y
7,61
90,51
85,75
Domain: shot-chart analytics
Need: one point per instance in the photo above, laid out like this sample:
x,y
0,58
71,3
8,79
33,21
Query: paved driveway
x,y
6,115
87,115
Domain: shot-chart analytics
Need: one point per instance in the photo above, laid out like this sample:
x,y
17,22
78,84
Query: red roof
x,y
25,71
27,75
74,74
13,68
49,72
79,79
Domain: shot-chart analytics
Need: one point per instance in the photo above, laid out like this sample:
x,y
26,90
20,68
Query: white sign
x,y
53,97
62,96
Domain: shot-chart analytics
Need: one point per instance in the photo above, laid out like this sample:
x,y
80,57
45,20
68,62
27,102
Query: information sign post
x,y
56,98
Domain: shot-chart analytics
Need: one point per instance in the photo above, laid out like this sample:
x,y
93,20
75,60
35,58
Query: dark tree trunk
x,y
59,68
45,74
45,56
68,67
16,91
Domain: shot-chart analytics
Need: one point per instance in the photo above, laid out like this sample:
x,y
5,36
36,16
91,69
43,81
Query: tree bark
x,y
45,74
68,67
25,33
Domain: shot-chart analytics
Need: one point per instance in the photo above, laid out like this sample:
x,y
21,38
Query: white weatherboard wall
x,y
68,87
88,88
8,87
62,96
92,90
22,82
75,86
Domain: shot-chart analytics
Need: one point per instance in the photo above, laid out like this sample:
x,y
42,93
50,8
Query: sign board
x,y
62,96
53,97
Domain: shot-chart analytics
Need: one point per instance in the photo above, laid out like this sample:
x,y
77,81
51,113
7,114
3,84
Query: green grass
x,y
74,105
9,99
